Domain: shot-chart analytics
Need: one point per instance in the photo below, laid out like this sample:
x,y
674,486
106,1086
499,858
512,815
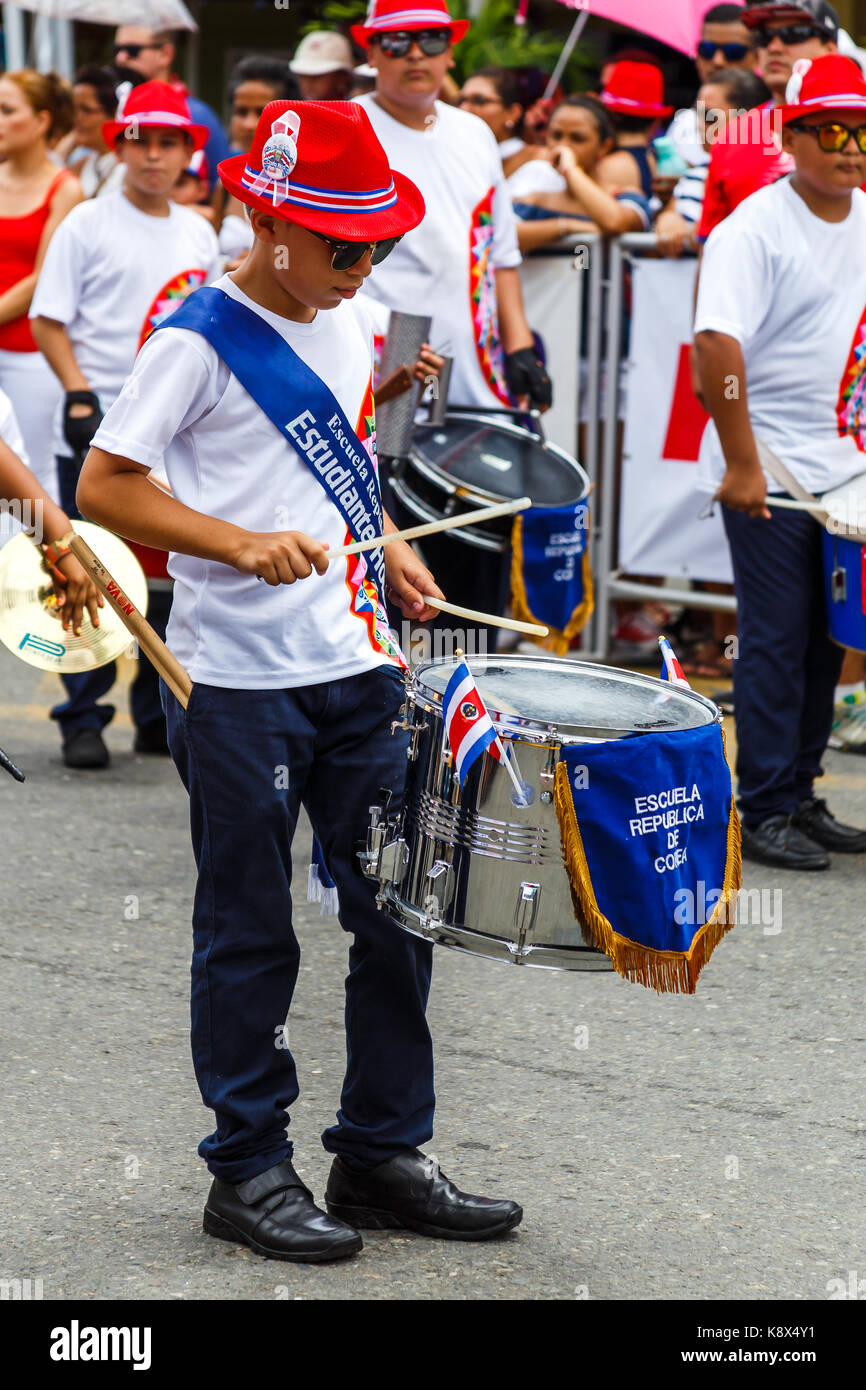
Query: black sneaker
x,y
779,842
151,738
85,748
275,1215
813,818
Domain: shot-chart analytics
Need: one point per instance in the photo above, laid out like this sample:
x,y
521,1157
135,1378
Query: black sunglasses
x,y
789,33
397,42
348,253
833,136
133,49
733,52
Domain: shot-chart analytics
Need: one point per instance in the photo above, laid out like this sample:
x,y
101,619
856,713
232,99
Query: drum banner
x,y
651,840
551,579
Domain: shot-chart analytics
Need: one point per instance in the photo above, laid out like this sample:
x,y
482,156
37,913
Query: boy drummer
x,y
295,684
779,335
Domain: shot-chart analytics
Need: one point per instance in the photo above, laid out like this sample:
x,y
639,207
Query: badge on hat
x,y
279,156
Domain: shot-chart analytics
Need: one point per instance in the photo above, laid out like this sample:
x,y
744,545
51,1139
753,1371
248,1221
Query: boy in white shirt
x,y
779,332
259,397
123,263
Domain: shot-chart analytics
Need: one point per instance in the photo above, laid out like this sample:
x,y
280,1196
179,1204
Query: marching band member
x,y
114,268
48,526
258,393
461,264
779,332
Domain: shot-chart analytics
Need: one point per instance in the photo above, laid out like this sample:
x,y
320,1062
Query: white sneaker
x,y
848,733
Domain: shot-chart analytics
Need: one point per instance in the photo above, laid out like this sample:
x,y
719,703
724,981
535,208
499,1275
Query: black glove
x,y
79,432
526,377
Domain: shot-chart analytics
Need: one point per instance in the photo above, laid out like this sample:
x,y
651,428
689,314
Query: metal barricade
x,y
609,581
558,297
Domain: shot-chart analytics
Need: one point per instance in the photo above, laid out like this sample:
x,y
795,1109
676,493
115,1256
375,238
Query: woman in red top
x,y
35,110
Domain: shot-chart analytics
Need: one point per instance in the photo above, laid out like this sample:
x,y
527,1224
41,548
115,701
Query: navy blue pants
x,y
249,759
82,709
787,668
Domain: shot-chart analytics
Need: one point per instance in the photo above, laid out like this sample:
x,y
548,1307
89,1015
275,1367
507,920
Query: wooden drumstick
x,y
429,528
168,666
487,619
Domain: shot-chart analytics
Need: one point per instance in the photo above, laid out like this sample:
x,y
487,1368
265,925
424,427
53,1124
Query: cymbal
x,y
29,617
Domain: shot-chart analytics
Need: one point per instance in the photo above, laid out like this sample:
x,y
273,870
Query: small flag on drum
x,y
671,668
468,725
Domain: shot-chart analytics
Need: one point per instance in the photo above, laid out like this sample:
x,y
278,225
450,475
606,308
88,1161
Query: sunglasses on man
x,y
832,136
397,42
348,253
789,34
733,52
133,49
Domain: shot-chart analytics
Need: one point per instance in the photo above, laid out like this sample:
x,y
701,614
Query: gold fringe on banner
x,y
667,972
559,640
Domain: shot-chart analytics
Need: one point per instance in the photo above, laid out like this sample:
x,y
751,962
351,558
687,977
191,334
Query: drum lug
x,y
525,913
386,855
415,730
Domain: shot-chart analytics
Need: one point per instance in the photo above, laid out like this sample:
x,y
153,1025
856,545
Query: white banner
x,y
659,533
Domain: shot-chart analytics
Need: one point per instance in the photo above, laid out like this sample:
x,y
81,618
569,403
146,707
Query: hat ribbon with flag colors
x,y
396,15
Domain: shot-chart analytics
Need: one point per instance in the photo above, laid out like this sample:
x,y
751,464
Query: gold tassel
x,y
559,640
667,972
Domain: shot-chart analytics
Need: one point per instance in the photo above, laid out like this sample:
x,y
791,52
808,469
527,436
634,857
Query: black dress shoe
x,y
779,842
409,1193
85,748
820,825
151,738
275,1215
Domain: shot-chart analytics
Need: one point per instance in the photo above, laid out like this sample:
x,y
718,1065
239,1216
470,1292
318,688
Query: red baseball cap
x,y
320,164
832,83
402,14
635,89
154,104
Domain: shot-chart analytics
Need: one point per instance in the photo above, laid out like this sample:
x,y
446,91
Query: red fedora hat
x,y
636,89
320,164
402,14
154,104
832,83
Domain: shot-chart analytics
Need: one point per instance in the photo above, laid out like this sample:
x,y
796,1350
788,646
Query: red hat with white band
x,y
398,14
832,83
320,164
636,89
154,104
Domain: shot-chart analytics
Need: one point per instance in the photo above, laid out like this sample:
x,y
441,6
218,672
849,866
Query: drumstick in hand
x,y
448,523
168,666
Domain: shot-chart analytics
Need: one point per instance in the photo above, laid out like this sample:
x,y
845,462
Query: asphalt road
x,y
705,1147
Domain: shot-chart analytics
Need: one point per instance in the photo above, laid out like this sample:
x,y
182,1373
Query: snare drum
x,y
469,462
845,563
470,868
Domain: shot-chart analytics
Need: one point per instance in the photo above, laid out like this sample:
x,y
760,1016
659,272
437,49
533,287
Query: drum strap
x,y
320,434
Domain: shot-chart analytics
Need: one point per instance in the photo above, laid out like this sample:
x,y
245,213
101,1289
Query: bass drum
x,y
470,461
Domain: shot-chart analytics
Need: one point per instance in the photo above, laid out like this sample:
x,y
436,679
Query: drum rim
x,y
552,734
468,491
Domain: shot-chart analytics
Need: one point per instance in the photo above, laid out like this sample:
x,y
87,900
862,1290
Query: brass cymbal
x,y
30,620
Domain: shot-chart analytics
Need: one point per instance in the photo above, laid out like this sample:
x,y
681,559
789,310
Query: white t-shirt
x,y
535,176
791,288
111,273
224,457
9,430
445,266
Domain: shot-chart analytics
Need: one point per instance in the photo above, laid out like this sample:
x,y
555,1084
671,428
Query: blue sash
x,y
651,840
279,381
551,581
